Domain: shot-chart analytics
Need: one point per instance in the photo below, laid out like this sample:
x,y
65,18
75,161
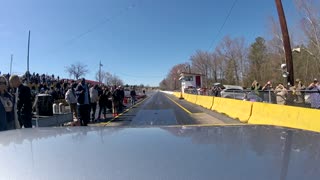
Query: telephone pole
x,y
28,72
11,64
100,65
286,42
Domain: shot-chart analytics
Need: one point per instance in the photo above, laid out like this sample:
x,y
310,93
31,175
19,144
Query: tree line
x,y
78,70
234,62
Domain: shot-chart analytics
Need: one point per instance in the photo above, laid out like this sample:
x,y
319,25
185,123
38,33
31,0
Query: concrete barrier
x,y
205,101
185,96
286,116
236,109
176,94
192,98
216,103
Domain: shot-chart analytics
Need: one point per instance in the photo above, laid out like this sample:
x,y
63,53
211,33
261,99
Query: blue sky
x,y
137,40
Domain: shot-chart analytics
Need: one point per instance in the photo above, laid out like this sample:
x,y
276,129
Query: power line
x,y
96,26
224,23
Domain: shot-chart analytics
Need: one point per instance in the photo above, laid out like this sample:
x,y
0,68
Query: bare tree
x,y
232,52
77,70
201,64
310,23
112,80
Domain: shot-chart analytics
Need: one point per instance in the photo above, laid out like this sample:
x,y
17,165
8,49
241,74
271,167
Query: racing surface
x,y
219,152
160,109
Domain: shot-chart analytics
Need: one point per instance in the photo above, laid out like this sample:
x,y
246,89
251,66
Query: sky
x,y
137,40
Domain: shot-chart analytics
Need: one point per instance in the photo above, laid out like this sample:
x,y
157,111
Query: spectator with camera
x,y
315,95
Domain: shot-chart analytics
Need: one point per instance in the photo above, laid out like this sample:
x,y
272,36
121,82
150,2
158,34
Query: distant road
x,y
161,109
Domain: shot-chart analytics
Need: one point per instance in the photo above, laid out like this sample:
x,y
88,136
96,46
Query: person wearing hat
x,y
315,94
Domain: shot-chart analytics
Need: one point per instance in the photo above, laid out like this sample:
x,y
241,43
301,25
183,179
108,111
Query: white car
x,y
233,92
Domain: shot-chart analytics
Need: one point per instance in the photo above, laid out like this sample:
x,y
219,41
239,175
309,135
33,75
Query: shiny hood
x,y
187,152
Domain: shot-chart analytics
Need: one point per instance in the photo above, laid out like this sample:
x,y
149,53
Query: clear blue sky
x,y
138,40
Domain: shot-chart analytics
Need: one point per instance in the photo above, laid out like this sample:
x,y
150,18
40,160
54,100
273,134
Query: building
x,y
190,81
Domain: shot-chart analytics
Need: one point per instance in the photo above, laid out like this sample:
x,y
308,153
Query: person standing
x,y
315,94
71,99
83,102
93,101
256,87
281,93
115,102
267,92
133,95
103,99
24,104
6,106
299,91
121,96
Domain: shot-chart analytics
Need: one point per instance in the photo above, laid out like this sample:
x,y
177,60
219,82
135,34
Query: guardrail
x,y
258,112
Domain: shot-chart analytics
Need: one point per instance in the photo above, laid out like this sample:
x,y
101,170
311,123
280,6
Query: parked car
x,y
233,92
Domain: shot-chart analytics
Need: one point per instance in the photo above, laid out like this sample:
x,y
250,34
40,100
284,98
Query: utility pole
x,y
28,72
286,42
100,65
11,64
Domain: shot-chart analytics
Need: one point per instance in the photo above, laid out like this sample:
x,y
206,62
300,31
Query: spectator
x,y
115,101
103,99
133,95
267,92
315,95
71,99
299,96
24,104
6,106
256,87
93,101
281,92
121,95
83,102
54,94
217,89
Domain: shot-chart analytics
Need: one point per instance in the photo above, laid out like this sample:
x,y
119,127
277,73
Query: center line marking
x,y
186,110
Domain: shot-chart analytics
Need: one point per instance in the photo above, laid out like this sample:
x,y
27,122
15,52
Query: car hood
x,y
186,152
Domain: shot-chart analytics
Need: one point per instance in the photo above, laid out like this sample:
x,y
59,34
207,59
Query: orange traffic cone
x,y
181,96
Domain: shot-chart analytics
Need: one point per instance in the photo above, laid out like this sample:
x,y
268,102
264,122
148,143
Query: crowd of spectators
x,y
84,98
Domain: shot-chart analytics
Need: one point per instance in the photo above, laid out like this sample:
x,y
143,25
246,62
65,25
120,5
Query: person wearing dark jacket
x,y
24,104
103,99
83,102
6,106
133,95
121,95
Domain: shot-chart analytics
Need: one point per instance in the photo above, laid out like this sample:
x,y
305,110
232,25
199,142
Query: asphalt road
x,y
160,109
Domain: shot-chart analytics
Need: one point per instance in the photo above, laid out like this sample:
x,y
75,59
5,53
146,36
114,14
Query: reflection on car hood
x,y
229,152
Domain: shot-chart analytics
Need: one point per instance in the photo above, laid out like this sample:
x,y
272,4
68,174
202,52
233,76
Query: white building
x,y
190,80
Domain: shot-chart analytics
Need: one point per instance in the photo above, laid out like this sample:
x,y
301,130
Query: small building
x,y
190,81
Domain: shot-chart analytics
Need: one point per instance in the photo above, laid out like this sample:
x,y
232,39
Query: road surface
x,y
161,109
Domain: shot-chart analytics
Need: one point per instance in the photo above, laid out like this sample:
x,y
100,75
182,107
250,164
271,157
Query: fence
x,y
299,98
